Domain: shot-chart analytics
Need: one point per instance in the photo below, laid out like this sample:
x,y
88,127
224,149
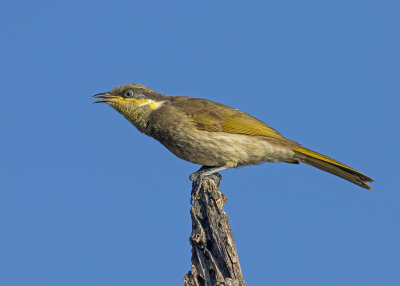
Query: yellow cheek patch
x,y
143,102
139,102
155,104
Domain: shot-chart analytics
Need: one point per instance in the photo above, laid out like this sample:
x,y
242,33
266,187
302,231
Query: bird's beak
x,y
105,97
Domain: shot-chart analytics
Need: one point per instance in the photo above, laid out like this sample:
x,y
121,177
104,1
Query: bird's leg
x,y
213,171
203,172
209,170
196,178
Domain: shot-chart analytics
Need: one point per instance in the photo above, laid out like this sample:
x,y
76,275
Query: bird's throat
x,y
137,115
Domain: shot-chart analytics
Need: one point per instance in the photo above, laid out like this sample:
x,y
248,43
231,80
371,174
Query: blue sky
x,y
86,199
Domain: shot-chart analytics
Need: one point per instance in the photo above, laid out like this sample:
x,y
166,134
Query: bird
x,y
214,135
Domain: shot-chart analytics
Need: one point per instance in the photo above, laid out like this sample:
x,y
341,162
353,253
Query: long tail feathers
x,y
332,166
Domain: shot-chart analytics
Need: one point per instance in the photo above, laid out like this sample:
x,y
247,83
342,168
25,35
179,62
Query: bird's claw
x,y
197,179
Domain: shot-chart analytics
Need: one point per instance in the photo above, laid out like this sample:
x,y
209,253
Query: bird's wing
x,y
212,116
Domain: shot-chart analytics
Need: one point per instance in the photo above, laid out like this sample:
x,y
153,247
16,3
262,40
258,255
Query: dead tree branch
x,y
214,257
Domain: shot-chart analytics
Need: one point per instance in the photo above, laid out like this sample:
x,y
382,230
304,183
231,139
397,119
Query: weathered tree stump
x,y
214,257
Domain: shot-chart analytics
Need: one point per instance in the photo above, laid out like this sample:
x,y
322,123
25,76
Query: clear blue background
x,y
86,199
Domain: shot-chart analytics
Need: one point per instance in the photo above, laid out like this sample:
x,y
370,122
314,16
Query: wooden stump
x,y
214,257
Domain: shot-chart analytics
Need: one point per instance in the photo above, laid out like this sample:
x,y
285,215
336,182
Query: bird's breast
x,y
220,148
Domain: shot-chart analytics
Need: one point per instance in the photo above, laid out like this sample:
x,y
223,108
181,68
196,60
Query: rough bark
x,y
214,257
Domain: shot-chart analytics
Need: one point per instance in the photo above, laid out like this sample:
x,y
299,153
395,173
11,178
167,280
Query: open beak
x,y
105,97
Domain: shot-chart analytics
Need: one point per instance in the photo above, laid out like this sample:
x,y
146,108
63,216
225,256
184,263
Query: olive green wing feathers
x,y
216,117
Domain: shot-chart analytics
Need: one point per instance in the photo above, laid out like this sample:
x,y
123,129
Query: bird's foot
x,y
198,174
197,179
205,171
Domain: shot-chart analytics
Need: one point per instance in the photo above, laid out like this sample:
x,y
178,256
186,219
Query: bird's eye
x,y
129,93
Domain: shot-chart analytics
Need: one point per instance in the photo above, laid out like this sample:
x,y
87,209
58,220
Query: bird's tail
x,y
332,166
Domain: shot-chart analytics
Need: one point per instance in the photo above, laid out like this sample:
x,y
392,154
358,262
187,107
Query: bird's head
x,y
130,96
134,101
